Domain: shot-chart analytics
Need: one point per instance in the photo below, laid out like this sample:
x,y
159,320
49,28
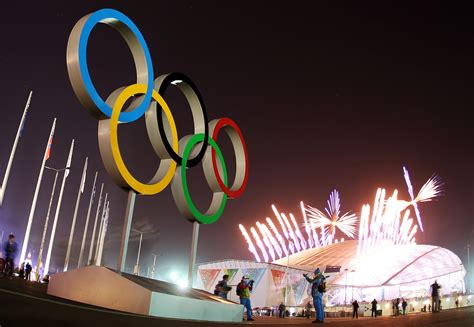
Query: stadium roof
x,y
384,266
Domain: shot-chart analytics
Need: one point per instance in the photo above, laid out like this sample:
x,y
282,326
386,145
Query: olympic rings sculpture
x,y
175,154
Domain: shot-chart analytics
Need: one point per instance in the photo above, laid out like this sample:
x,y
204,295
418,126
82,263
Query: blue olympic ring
x,y
102,16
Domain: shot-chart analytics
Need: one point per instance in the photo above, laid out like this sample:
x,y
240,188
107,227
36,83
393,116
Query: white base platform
x,y
107,288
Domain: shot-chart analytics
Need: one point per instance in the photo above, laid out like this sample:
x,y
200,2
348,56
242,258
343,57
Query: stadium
x,y
380,260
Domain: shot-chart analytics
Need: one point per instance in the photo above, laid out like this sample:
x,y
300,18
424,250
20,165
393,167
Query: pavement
x,y
23,302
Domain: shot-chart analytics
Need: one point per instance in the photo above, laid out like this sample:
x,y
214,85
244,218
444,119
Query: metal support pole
x,y
45,228
89,259
35,196
99,235
58,208
73,225
126,230
81,253
3,187
192,256
469,268
345,289
153,270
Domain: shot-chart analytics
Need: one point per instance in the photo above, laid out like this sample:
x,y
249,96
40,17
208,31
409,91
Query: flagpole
x,y
104,210
102,238
71,234
35,196
3,187
89,259
40,252
58,208
87,222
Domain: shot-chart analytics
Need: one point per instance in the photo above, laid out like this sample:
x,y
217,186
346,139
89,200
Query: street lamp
x,y
345,289
290,242
353,271
45,228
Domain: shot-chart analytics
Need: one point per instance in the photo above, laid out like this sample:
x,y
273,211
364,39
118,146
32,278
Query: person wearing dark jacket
x,y
28,269
374,308
435,297
10,250
355,309
222,288
316,281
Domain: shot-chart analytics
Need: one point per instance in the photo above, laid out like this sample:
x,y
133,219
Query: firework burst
x,y
332,220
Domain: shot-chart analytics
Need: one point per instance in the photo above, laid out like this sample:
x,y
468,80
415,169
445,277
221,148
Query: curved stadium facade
x,y
384,273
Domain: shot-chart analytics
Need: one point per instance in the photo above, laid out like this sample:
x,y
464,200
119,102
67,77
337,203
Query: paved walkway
x,y
24,303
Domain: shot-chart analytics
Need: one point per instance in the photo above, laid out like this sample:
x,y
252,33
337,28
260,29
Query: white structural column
x,y
192,255
73,225
35,196
45,228
102,238
84,236
127,225
3,187
99,235
58,209
89,258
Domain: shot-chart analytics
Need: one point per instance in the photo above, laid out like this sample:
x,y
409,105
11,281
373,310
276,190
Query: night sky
x,y
328,96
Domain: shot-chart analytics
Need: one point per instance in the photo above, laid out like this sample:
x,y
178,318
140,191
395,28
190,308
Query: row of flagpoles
x,y
94,257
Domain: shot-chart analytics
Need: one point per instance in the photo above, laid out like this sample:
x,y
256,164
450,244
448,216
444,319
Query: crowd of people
x,y
7,263
318,288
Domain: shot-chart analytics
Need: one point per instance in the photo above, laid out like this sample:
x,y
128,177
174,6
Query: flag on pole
x,y
69,158
50,143
84,174
25,113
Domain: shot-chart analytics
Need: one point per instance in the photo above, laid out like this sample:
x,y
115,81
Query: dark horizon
x,y
327,96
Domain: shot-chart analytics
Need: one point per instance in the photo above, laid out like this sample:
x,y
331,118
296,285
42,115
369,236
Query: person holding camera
x,y
318,286
243,291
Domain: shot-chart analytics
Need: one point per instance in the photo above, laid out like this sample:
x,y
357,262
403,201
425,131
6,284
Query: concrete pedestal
x,y
108,288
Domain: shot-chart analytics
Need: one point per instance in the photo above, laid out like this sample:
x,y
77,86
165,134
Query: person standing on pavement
x,y
10,249
222,288
318,287
404,306
355,309
243,291
435,296
374,308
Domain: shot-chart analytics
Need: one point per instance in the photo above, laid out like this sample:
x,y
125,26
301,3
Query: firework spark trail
x,y
315,233
431,189
278,235
333,219
274,242
259,243
388,221
251,247
298,232
412,196
266,241
306,226
282,224
294,239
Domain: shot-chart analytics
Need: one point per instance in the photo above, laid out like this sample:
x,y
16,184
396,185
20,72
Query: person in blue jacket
x,y
317,293
10,250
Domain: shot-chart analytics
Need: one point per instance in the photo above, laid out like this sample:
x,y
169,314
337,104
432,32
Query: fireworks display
x,y
345,223
293,239
388,221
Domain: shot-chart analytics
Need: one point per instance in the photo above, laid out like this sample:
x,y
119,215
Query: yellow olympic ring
x,y
117,166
